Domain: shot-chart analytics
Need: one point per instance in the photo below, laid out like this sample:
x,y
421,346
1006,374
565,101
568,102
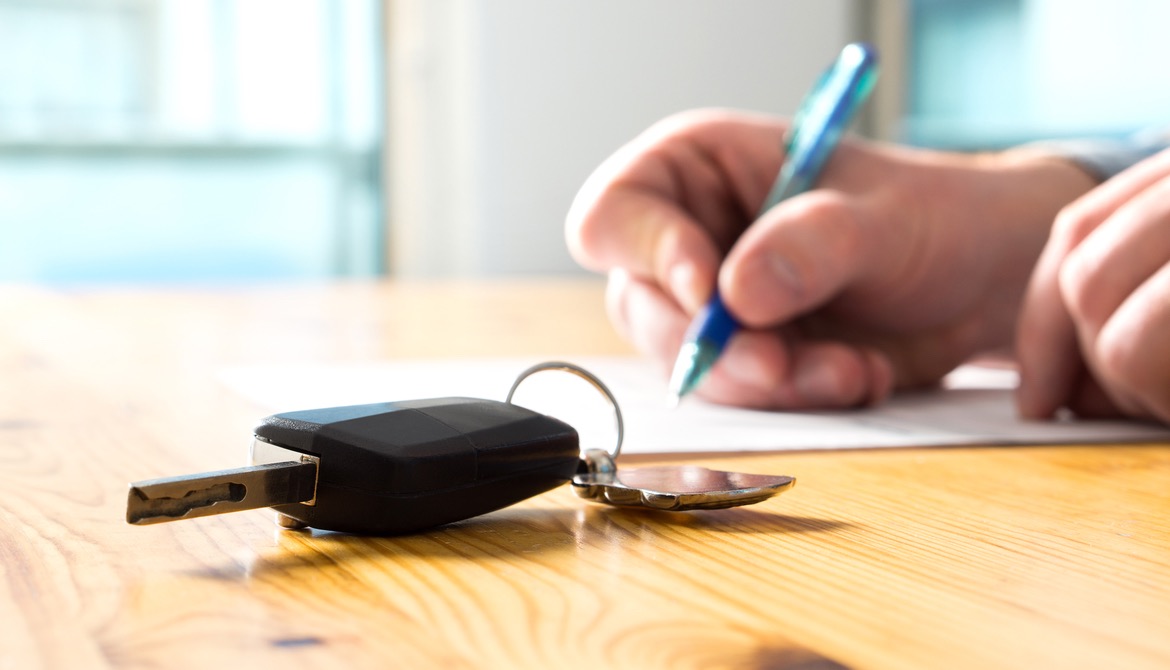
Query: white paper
x,y
974,408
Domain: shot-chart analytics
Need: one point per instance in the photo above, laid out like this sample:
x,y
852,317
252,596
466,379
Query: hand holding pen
x,y
815,132
899,265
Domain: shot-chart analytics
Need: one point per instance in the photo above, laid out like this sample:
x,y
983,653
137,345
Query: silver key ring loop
x,y
587,376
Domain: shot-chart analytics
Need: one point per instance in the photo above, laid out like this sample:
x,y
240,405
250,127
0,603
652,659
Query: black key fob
x,y
401,467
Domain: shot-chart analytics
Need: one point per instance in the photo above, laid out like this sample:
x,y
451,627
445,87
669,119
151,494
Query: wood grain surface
x,y
1053,557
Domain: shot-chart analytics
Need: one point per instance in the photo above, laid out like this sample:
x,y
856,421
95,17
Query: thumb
x,y
797,256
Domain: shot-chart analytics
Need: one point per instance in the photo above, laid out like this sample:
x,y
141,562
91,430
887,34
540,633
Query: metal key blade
x,y
190,496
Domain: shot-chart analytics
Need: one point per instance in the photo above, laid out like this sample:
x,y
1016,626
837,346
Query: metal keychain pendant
x,y
674,488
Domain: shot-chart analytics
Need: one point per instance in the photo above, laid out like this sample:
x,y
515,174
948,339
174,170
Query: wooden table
x,y
1054,557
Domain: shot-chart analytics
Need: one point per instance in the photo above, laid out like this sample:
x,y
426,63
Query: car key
x,y
401,467
385,468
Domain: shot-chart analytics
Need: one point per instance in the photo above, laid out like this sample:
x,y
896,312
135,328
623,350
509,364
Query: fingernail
x,y
783,273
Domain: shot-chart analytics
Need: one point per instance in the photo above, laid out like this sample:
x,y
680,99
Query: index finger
x,y
669,205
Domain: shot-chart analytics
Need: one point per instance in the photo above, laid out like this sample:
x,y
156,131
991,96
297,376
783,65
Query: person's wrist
x,y
998,209
1028,191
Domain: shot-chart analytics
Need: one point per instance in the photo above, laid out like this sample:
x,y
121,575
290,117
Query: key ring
x,y
587,376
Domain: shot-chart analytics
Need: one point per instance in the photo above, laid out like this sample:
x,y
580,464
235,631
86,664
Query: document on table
x,y
973,408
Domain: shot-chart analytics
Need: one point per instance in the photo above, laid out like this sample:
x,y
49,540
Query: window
x,y
180,140
999,72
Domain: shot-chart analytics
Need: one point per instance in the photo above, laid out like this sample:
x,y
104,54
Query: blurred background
x,y
180,141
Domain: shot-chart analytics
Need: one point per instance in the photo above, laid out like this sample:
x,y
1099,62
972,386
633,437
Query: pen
x,y
816,129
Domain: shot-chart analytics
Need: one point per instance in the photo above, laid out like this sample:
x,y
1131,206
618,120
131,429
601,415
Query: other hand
x,y
1094,336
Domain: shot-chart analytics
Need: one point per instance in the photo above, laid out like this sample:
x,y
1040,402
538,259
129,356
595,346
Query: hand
x,y
1094,335
902,265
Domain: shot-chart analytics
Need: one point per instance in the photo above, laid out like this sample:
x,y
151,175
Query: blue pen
x,y
816,129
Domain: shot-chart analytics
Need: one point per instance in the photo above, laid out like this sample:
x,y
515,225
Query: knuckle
x,y
1079,278
587,237
1115,358
1133,369
586,233
1072,224
580,240
1123,364
829,210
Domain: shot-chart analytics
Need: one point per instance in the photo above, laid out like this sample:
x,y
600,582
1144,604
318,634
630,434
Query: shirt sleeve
x,y
1104,158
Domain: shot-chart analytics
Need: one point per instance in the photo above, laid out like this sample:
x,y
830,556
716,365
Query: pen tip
x,y
694,360
672,400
